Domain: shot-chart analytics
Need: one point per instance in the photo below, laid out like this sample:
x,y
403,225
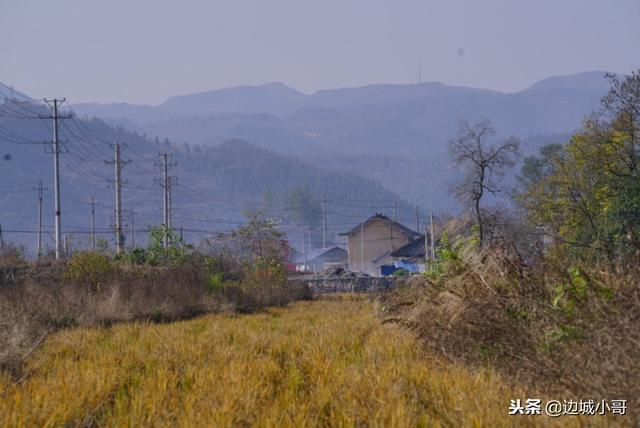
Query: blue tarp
x,y
386,270
408,266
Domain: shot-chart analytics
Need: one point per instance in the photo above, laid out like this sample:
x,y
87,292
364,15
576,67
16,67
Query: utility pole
x,y
118,163
395,210
133,230
56,116
433,242
362,247
118,169
304,250
170,215
130,215
324,220
417,219
1,238
166,183
92,204
165,177
426,244
40,189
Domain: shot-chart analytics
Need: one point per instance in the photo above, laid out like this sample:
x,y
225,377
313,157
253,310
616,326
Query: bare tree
x,y
484,164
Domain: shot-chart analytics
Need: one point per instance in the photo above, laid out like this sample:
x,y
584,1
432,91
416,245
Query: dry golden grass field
x,y
320,363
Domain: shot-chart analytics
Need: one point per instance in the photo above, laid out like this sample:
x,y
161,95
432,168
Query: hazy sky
x,y
143,51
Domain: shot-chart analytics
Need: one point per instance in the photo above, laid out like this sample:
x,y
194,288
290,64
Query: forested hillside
x,y
215,185
394,134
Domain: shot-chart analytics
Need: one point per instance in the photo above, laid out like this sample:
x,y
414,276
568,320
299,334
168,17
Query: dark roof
x,y
412,249
410,233
380,258
318,252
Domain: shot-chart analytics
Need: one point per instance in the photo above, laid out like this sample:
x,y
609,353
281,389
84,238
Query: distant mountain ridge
x,y
279,99
270,97
383,119
588,80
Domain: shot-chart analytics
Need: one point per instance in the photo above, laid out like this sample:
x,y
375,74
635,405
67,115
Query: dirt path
x,y
322,363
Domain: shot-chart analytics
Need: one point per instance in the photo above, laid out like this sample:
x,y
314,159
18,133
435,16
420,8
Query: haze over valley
x,y
369,146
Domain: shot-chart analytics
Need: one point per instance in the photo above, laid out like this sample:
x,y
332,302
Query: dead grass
x,y
490,310
46,299
322,363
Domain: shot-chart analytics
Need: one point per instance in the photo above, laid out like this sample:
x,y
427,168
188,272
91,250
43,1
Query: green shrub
x,y
400,272
447,253
571,293
137,256
215,282
90,269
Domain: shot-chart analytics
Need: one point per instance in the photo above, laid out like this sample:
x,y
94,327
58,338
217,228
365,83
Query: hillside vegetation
x,y
214,185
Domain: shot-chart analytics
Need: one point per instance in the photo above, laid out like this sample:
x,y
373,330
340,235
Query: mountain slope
x,y
398,134
382,119
279,100
216,185
586,81
271,97
7,91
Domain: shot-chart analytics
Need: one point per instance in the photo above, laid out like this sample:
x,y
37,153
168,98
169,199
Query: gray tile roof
x,y
411,234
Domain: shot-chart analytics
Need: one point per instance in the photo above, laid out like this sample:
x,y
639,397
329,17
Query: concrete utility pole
x,y
433,241
133,230
165,200
56,116
426,244
395,210
1,238
170,215
304,250
324,220
118,163
40,189
118,170
166,183
417,219
362,247
93,204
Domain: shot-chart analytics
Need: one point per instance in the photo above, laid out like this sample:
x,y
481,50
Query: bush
x,y
400,272
91,289
215,283
12,256
90,269
564,327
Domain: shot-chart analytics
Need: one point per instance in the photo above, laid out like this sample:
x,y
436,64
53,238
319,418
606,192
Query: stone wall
x,y
350,284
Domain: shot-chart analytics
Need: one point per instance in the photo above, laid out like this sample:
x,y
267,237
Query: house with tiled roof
x,y
371,243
